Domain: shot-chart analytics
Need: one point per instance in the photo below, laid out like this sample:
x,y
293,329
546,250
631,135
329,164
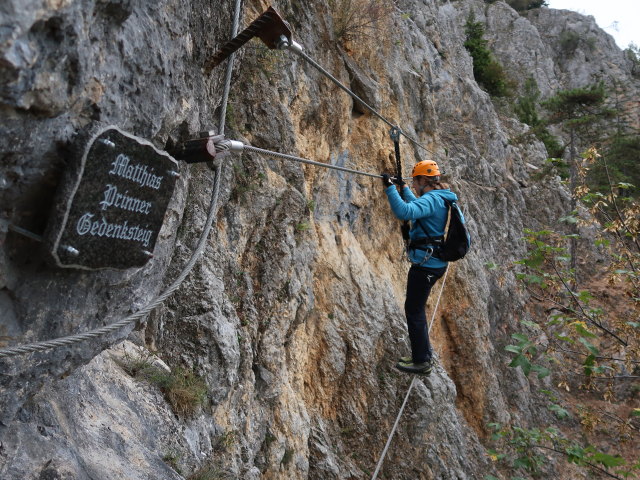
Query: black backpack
x,y
457,240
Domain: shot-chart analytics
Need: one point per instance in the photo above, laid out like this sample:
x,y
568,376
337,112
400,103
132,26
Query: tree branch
x,y
623,377
595,467
615,204
584,314
587,354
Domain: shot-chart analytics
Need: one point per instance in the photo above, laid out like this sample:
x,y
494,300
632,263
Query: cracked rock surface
x,y
293,317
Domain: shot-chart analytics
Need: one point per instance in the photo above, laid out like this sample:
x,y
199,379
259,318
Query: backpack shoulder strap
x,y
429,237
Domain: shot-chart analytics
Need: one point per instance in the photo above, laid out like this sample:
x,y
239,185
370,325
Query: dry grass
x,y
355,19
183,389
210,472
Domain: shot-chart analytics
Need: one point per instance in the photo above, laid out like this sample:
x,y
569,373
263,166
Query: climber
x,y
428,213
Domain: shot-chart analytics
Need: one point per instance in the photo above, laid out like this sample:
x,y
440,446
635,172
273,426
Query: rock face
x,y
293,315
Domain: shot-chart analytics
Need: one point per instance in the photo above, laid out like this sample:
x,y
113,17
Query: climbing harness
x,y
202,242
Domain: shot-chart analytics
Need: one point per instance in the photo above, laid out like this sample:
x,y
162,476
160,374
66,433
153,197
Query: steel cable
x,y
316,65
284,156
393,430
227,81
80,337
72,339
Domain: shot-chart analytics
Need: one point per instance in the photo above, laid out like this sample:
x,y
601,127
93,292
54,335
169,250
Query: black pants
x,y
419,283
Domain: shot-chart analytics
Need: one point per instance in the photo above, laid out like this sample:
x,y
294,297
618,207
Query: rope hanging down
x,y
77,338
393,430
413,381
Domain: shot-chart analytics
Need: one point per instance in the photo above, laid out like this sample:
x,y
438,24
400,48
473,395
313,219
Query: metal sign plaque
x,y
113,202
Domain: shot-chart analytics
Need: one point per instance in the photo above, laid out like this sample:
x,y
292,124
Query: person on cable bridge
x,y
428,213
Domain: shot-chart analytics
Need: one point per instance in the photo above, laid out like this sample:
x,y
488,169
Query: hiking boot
x,y
405,359
423,368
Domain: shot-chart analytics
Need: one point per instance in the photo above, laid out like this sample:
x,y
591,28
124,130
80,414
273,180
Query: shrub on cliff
x,y
526,108
355,19
486,69
524,5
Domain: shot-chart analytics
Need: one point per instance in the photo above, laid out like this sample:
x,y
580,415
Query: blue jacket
x,y
432,212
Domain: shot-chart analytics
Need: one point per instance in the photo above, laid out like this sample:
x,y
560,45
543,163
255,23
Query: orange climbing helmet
x,y
426,167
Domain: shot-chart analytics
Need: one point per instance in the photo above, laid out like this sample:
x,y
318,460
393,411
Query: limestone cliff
x,y
293,316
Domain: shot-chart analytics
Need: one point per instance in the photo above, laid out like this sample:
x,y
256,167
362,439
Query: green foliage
x,y
578,108
524,350
172,458
583,112
553,146
569,41
302,227
580,339
486,70
621,168
245,182
183,389
559,412
526,108
527,446
226,441
632,52
287,456
311,205
614,204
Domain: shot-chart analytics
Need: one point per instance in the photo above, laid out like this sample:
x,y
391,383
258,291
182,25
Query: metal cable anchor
x,y
269,27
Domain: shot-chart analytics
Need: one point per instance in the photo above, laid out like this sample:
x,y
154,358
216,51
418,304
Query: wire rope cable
x,y
98,332
285,156
227,81
317,66
393,430
23,231
72,339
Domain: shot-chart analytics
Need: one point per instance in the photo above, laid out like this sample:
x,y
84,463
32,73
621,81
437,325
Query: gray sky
x,y
619,18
